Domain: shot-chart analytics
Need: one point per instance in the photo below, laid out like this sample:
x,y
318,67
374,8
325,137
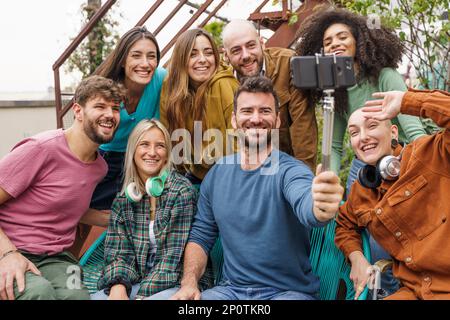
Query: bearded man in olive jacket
x,y
245,51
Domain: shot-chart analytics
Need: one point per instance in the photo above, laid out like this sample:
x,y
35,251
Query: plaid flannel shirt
x,y
127,243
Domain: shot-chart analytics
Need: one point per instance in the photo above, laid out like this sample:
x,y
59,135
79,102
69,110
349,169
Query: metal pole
x,y
328,122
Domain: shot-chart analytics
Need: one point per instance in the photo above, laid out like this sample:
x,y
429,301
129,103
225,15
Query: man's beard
x,y
265,140
257,72
89,128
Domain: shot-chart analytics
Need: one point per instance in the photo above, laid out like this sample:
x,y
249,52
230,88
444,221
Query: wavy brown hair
x,y
376,48
183,99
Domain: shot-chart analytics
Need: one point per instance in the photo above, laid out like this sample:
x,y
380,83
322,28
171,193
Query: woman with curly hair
x,y
376,53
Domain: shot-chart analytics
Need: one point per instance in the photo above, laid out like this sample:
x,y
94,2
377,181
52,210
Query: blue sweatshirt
x,y
264,218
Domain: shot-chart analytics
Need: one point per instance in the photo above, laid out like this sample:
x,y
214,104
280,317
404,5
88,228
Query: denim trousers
x,y
101,295
388,283
226,291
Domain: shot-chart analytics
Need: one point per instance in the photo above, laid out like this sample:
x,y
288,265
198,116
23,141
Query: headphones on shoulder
x,y
153,186
387,168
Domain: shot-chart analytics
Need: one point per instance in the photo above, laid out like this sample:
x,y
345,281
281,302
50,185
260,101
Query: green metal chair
x,y
329,264
327,261
92,263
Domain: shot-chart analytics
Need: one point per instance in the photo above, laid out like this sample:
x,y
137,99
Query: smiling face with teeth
x,y
100,119
339,39
140,63
202,61
151,154
256,117
370,138
243,48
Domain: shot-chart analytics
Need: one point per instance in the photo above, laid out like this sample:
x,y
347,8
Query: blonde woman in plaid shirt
x,y
145,239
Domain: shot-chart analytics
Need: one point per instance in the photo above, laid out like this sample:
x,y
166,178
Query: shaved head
x,y
238,25
243,48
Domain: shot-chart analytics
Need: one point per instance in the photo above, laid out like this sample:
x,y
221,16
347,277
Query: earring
x,y
394,143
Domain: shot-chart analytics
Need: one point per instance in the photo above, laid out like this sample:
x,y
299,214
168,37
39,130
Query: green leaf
x,y
293,19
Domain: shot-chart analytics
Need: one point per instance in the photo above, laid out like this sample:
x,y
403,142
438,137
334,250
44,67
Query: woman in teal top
x,y
134,63
376,52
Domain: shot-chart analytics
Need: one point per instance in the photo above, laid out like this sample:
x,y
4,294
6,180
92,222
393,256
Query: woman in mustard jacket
x,y
197,96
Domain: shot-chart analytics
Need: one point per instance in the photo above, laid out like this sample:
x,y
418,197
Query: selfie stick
x,y
328,114
328,121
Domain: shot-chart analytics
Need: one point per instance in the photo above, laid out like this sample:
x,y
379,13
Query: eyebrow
x,y
337,34
148,140
248,42
256,107
139,51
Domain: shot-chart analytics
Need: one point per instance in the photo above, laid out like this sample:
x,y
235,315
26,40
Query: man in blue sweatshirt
x,y
263,204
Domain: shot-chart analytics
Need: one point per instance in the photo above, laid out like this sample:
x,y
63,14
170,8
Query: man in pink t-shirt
x,y
46,183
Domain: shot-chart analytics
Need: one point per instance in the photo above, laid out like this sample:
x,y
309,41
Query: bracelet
x,y
8,253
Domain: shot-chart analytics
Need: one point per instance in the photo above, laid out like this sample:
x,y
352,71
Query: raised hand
x,y
387,108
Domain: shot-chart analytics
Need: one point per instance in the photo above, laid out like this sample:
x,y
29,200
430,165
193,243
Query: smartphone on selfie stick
x,y
325,73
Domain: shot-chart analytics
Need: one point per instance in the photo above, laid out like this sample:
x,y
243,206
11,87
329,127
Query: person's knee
x,y
36,288
163,295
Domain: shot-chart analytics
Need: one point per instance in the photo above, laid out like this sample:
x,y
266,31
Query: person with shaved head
x,y
245,51
401,195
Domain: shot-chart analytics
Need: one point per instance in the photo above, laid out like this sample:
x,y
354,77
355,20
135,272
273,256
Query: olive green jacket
x,y
219,108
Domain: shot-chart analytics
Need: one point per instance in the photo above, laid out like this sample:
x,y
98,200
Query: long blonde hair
x,y
183,99
130,169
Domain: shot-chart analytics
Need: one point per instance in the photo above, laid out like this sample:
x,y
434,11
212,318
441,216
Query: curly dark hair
x,y
376,48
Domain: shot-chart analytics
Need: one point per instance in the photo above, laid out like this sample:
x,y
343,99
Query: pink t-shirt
x,y
51,190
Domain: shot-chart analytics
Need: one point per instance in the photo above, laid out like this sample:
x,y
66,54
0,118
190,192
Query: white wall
x,y
21,119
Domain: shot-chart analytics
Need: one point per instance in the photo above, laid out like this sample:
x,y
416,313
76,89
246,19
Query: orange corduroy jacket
x,y
409,217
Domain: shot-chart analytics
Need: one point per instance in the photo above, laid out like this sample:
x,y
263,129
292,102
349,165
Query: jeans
x,y
388,283
230,292
226,291
101,295
107,189
163,295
